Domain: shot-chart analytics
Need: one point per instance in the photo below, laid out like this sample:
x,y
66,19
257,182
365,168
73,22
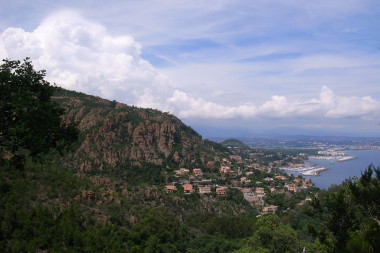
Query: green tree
x,y
158,231
272,236
366,192
30,121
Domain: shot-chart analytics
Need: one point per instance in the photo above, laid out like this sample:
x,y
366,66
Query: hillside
x,y
139,180
234,144
117,136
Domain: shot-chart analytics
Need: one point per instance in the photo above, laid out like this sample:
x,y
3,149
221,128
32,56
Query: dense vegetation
x,y
39,211
46,208
30,121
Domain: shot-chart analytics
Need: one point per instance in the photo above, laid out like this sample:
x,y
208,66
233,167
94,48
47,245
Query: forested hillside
x,y
46,208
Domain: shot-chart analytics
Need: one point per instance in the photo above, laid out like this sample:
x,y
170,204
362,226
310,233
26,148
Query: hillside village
x,y
256,177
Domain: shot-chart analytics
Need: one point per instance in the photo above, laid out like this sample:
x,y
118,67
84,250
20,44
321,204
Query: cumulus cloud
x,y
81,55
328,105
188,106
354,107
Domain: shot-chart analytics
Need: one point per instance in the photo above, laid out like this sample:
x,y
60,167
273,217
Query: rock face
x,y
114,134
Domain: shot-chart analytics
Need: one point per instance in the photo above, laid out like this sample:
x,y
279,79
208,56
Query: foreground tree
x,y
272,236
30,121
366,192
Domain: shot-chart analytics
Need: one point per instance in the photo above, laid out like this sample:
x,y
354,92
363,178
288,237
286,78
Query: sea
x,y
340,171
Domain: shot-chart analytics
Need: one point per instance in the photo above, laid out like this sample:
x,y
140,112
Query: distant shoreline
x,y
315,172
336,158
306,171
340,171
346,158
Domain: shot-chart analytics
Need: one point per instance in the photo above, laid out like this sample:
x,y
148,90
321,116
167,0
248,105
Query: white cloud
x,y
79,54
187,106
328,105
354,107
82,55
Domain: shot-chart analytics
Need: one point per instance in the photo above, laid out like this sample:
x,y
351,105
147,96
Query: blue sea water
x,y
340,171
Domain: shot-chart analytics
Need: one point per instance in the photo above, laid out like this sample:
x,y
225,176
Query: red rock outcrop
x,y
120,134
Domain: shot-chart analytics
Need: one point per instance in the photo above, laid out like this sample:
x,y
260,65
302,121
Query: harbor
x,y
305,169
341,170
346,158
311,169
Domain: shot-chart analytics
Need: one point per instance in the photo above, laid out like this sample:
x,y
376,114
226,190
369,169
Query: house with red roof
x,y
221,191
170,188
188,188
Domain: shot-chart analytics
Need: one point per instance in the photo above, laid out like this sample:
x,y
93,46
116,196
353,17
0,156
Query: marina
x,y
306,169
355,163
312,169
346,158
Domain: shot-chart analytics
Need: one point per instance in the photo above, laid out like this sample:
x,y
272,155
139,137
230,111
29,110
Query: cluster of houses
x,y
189,188
254,195
193,181
295,187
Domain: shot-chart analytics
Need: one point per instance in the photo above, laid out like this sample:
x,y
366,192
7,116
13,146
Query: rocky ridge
x,y
115,134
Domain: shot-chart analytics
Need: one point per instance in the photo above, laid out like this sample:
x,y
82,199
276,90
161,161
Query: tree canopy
x,y
30,121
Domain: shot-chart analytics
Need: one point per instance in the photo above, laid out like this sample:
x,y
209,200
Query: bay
x,y
340,171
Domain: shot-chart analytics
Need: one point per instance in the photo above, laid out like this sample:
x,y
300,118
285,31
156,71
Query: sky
x,y
226,68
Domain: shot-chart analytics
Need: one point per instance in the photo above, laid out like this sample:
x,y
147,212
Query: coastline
x,y
306,170
340,171
314,169
314,172
346,158
336,158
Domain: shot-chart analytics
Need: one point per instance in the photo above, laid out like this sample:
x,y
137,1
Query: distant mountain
x,y
115,135
234,143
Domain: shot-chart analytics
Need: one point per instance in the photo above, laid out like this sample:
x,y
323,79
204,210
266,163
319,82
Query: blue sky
x,y
226,68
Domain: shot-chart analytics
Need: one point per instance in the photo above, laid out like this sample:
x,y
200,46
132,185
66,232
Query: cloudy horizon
x,y
287,67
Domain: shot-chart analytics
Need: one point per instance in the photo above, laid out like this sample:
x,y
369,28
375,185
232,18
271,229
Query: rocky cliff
x,y
114,134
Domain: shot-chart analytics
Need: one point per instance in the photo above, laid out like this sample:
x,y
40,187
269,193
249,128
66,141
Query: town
x,y
313,144
254,174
